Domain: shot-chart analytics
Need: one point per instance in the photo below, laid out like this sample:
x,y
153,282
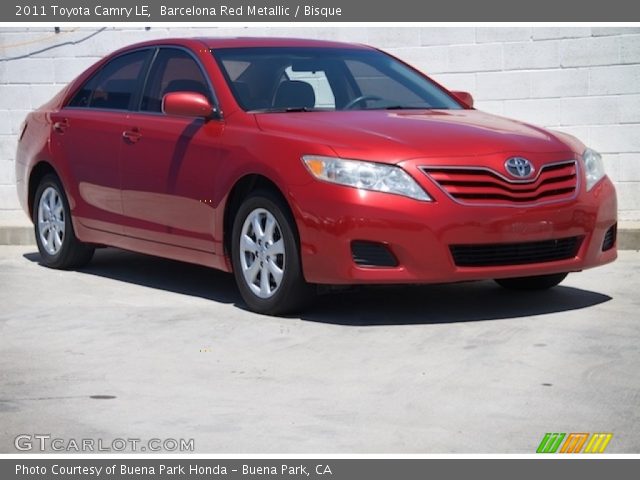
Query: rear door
x,y
87,134
169,163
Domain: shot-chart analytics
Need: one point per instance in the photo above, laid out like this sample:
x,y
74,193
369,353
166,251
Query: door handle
x,y
132,135
61,125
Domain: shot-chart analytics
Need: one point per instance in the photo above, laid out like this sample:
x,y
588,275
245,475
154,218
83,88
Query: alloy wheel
x,y
262,253
51,220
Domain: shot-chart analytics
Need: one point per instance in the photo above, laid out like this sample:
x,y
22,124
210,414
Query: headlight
x,y
593,167
366,175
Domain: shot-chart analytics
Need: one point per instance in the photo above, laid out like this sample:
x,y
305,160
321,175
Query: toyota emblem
x,y
519,167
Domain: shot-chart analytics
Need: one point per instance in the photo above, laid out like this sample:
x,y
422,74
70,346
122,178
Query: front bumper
x,y
419,234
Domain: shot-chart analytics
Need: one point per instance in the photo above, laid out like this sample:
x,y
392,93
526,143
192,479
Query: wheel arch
x,y
38,172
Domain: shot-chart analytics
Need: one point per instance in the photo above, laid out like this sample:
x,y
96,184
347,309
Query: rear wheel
x,y
266,257
541,282
57,242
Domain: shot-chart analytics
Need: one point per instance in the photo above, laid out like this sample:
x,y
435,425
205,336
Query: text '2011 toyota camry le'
x,y
298,163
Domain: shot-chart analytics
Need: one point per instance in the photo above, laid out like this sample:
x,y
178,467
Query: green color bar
x,y
550,442
543,443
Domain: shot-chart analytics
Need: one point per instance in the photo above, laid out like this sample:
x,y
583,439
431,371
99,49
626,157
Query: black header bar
x,y
228,11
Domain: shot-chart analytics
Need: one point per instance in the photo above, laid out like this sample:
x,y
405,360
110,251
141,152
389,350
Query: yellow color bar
x,y
598,442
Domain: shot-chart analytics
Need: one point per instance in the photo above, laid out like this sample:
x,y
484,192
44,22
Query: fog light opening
x,y
610,238
372,254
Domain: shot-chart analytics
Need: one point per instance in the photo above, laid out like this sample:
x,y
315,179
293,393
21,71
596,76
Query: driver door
x,y
169,163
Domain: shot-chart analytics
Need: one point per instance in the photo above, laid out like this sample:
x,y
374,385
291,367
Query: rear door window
x,y
115,85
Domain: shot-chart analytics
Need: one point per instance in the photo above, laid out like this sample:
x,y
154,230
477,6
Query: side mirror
x,y
187,104
464,97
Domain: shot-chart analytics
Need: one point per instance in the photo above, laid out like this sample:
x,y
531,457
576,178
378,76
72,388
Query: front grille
x,y
515,253
475,185
609,238
372,254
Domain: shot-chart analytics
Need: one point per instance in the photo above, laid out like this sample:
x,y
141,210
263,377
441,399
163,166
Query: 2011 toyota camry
x,y
297,163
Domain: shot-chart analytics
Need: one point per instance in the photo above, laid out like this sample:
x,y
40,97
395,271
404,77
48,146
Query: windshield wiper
x,y
406,107
286,110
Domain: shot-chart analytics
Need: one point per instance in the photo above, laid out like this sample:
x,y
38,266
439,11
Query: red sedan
x,y
295,163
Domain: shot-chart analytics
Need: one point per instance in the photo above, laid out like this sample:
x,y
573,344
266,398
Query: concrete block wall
x,y
582,80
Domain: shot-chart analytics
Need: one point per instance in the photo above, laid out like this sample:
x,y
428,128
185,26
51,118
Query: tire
x,y
541,282
266,256
59,248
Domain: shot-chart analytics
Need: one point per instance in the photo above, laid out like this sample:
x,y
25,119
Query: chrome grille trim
x,y
498,181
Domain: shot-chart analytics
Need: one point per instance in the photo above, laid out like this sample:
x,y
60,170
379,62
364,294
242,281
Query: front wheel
x,y
541,282
266,258
57,242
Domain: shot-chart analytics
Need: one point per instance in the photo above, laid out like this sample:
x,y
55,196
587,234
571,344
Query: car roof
x,y
213,42
243,42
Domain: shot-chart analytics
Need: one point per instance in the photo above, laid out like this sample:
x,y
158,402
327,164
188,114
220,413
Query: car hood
x,y
394,136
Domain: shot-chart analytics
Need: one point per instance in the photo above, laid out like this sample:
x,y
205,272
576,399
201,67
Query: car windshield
x,y
288,79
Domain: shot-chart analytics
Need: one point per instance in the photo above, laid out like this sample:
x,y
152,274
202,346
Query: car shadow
x,y
159,273
445,303
358,306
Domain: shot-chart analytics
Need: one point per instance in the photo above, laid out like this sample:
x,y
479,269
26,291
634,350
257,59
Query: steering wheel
x,y
360,99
